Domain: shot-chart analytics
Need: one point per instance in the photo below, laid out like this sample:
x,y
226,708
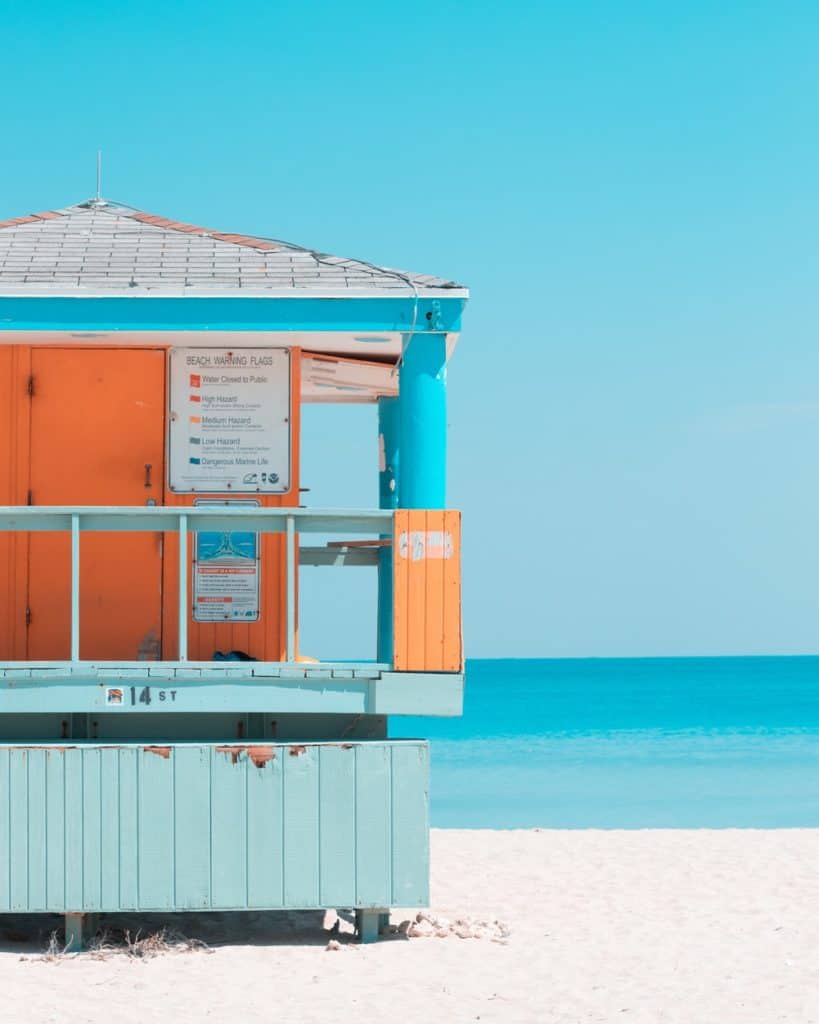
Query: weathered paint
x,y
91,828
427,595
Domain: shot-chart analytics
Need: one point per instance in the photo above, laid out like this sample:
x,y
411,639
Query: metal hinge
x,y
28,617
30,387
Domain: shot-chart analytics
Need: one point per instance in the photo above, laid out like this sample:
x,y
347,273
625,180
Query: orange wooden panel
x,y
97,420
453,647
427,634
400,578
416,591
265,639
14,430
434,598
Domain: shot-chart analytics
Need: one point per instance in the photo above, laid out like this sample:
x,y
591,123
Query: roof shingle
x,y
103,248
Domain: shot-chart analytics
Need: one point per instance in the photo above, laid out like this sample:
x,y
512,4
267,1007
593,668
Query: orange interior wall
x,y
427,632
15,369
265,639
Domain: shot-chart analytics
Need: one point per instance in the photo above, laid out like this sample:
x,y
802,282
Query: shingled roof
x,y
99,248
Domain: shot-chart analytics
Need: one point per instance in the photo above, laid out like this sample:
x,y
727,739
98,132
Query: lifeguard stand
x,y
163,746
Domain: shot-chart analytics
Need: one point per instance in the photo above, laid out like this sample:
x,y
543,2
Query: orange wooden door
x,y
97,420
14,434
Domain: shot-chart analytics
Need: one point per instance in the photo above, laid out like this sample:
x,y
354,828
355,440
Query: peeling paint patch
x,y
297,751
150,647
159,751
233,752
261,755
258,755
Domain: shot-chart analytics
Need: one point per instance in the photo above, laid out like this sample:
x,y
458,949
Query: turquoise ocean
x,y
629,743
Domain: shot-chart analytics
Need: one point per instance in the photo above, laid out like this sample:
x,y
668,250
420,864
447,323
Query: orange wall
x,y
264,639
14,429
427,632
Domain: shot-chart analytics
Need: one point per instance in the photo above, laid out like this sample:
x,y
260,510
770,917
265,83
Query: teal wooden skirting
x,y
204,827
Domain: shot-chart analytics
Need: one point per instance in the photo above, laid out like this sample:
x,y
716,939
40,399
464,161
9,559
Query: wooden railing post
x,y
75,587
183,587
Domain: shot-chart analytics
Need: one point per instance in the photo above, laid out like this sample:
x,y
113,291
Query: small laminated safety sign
x,y
226,574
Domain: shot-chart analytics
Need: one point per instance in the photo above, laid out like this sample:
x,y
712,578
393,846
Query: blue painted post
x,y
389,425
367,924
422,398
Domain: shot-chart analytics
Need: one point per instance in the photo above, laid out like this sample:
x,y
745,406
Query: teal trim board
x,y
192,313
87,828
123,691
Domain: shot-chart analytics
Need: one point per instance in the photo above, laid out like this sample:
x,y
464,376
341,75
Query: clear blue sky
x,y
631,191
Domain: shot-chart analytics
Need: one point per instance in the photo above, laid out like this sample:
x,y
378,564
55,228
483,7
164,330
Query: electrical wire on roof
x,y
321,259
335,261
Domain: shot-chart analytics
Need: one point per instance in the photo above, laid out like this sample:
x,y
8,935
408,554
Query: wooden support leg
x,y
366,924
74,932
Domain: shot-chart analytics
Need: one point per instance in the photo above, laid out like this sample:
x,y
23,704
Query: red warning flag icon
x,y
196,380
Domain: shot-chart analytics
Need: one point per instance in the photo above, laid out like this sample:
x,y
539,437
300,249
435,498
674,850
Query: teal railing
x,y
291,522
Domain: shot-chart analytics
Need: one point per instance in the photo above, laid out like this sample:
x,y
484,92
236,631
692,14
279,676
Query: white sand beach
x,y
676,926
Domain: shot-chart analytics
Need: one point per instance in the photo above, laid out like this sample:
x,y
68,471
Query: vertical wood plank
x,y
453,654
435,565
72,759
400,575
301,826
92,837
156,819
18,798
128,829
264,833
192,827
109,829
373,833
55,829
410,824
37,890
337,813
5,833
416,590
229,836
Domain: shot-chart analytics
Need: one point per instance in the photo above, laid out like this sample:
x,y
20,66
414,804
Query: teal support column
x,y
389,424
422,398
